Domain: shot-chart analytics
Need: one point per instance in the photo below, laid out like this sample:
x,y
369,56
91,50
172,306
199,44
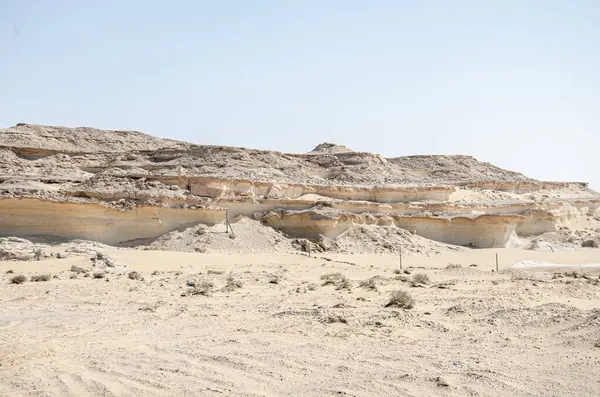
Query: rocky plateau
x,y
126,188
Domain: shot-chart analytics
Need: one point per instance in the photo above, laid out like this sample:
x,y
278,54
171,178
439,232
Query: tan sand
x,y
472,332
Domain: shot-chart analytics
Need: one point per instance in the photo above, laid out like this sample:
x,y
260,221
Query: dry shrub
x,y
312,287
10,271
337,279
232,284
401,299
212,271
441,382
334,318
41,277
99,275
20,279
204,288
344,284
421,278
455,266
135,276
274,280
331,278
521,275
397,271
573,274
77,269
369,284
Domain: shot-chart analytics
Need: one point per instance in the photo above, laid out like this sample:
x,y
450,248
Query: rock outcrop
x,y
119,187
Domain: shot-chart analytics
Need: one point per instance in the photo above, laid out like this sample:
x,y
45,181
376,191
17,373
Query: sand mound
x,y
250,236
388,240
253,237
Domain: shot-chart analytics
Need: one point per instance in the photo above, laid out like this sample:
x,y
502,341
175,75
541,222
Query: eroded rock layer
x,y
119,187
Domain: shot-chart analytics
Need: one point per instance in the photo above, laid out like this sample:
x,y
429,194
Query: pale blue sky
x,y
516,83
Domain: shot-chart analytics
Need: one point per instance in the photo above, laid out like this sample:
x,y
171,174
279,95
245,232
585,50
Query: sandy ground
x,y
472,332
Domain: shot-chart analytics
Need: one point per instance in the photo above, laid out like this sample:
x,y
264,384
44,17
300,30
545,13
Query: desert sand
x,y
472,331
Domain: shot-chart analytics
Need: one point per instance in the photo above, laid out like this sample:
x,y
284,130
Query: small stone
x,y
441,382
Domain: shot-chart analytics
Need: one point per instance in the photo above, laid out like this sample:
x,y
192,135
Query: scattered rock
x,y
441,382
135,276
589,244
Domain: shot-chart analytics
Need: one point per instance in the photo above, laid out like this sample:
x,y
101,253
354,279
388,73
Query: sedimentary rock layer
x,y
118,186
25,217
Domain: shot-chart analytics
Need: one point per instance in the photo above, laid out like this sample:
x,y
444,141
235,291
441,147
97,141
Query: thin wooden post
x,y
228,225
400,255
309,249
496,261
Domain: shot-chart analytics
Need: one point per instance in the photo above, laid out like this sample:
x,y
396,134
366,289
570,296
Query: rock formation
x,y
124,187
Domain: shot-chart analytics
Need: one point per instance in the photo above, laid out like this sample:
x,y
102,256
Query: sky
x,y
512,82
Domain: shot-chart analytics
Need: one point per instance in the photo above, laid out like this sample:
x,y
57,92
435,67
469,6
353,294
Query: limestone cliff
x,y
122,186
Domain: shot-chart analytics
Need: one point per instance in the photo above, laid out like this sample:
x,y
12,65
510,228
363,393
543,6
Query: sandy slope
x,y
511,333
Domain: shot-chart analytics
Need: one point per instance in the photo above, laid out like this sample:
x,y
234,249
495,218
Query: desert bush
x,y
337,279
41,277
344,284
212,271
274,280
441,382
402,278
203,288
421,278
232,284
573,274
10,271
455,266
401,299
135,276
99,275
331,278
521,275
20,279
312,287
397,271
77,269
369,284
334,318
38,255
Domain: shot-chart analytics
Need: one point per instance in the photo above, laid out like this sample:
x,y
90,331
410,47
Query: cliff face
x,y
123,186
